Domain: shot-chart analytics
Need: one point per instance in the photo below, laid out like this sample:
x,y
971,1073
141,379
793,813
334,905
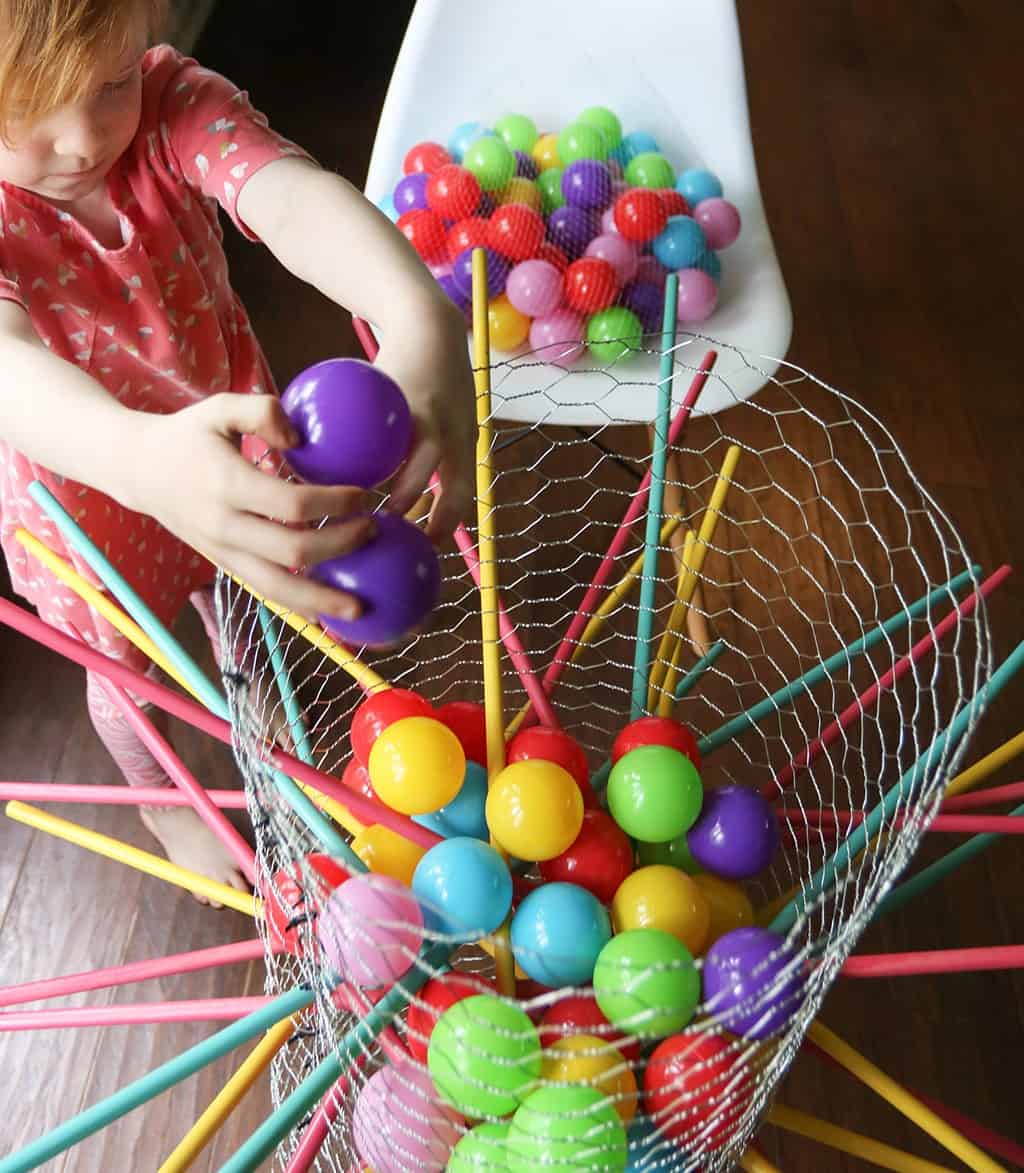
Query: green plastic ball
x,y
606,122
518,132
612,333
481,1148
646,983
674,854
654,793
550,184
568,1128
492,162
580,141
483,1056
650,170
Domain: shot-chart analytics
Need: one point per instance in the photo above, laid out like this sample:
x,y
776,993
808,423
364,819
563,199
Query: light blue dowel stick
x,y
698,670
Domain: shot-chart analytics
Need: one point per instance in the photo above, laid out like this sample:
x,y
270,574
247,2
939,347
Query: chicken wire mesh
x,y
825,534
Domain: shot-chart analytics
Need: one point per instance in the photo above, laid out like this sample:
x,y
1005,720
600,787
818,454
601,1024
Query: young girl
x,y
129,370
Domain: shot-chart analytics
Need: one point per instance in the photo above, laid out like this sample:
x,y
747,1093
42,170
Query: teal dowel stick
x,y
72,1131
858,838
697,671
296,724
841,659
655,500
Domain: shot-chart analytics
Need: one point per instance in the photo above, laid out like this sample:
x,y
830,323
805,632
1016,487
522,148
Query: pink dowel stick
x,y
318,1128
367,810
949,824
184,779
878,965
869,697
79,792
986,1138
137,1014
1013,792
134,971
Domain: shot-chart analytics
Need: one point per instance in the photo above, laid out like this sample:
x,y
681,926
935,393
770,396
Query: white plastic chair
x,y
674,70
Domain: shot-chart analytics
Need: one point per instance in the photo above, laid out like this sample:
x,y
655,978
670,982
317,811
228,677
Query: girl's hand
x,y
188,473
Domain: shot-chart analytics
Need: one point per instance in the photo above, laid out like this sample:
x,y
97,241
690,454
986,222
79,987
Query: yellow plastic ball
x,y
508,327
521,190
728,904
417,765
663,897
388,854
594,1062
534,809
545,152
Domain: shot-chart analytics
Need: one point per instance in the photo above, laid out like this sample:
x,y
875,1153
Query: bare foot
x,y
188,842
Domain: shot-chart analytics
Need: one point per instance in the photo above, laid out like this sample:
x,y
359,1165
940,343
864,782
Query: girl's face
x,y
67,153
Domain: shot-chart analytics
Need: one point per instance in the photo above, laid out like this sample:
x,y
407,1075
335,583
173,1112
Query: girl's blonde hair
x,y
49,49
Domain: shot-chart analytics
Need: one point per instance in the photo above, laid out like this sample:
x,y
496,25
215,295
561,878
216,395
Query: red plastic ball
x,y
674,202
379,711
453,192
599,859
515,231
468,233
687,1078
522,886
553,746
656,731
425,231
284,899
553,254
469,724
357,777
590,285
639,214
432,1001
581,1015
426,156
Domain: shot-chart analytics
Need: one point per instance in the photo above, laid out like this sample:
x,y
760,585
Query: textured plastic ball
x,y
590,285
618,252
467,720
453,192
607,226
692,1079
517,131
380,710
639,214
411,192
697,185
484,1055
646,983
680,244
497,271
571,229
427,157
650,169
467,885
557,932
637,142
697,296
468,233
353,421
398,1123
464,134
515,231
425,231
553,255
656,731
743,984
674,202
534,809
371,929
593,1062
580,1014
604,120
573,1129
464,815
417,765
520,191
661,897
651,270
491,161
549,184
534,288
395,576
654,793
598,859
526,165
558,337
285,906
720,221
545,152
481,1148
674,854
387,853
432,1001
647,302
728,904
736,835
614,333
587,184
453,293
581,141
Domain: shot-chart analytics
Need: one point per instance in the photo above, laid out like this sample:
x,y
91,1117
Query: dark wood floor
x,y
884,139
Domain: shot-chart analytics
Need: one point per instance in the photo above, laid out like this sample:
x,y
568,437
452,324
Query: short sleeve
x,y
10,290
210,134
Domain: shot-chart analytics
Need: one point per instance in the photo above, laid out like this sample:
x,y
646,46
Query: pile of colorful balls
x,y
581,230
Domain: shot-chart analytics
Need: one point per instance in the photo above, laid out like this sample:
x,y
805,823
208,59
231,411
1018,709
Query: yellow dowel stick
x,y
134,857
753,1162
490,630
901,1099
671,637
853,1143
976,774
228,1098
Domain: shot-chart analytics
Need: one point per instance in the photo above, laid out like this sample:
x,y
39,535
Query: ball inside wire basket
x,y
825,535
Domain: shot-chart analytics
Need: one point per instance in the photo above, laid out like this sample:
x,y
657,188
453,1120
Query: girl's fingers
x,y
296,548
296,593
414,475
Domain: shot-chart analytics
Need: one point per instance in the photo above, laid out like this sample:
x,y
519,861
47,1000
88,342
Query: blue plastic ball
x,y
648,1150
464,134
557,933
466,885
464,815
698,184
711,263
387,206
680,244
639,142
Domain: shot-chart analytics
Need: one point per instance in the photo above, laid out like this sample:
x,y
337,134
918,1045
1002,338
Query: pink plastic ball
x,y
399,1122
558,337
720,221
619,253
439,269
608,222
651,271
371,929
534,288
698,296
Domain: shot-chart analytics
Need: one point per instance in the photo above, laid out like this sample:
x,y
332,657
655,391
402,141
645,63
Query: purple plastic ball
x,y
487,205
354,422
395,576
411,192
587,184
497,272
736,835
526,165
453,292
647,302
571,229
742,984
